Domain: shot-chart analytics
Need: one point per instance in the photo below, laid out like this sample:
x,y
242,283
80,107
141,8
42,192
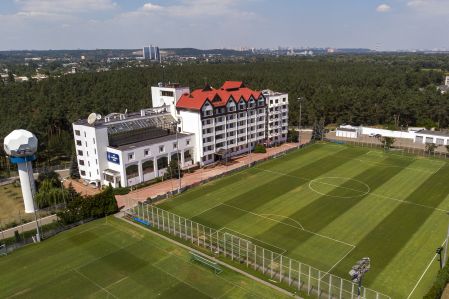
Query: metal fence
x,y
273,265
401,146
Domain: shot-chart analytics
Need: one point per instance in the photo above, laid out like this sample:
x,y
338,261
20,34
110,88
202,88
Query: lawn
x,y
11,204
110,258
330,205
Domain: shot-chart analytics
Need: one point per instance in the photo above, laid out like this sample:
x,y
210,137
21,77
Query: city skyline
x,y
206,24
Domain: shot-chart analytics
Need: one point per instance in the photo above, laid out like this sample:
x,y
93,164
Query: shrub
x,y
439,284
260,149
121,190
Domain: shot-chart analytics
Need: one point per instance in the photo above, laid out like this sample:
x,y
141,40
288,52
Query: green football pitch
x,y
113,259
329,205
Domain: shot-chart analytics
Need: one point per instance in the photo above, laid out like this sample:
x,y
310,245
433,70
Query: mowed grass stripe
x,y
387,239
199,199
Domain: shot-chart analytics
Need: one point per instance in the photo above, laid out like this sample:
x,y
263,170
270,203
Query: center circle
x,y
339,187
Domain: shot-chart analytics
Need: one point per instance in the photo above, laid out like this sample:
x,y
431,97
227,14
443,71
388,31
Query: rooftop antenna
x,y
92,118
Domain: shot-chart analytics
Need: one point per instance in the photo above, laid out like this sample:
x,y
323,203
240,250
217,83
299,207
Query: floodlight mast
x,y
358,271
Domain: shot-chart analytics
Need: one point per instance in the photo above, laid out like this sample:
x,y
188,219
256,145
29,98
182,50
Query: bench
x,y
198,258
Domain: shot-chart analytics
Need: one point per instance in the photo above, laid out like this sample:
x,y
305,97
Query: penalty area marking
x,y
93,282
318,181
282,250
285,217
295,227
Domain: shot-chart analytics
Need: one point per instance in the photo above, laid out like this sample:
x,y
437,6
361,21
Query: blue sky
x,y
90,24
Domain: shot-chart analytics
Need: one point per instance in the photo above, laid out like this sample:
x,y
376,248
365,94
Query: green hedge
x,y
259,148
439,284
121,191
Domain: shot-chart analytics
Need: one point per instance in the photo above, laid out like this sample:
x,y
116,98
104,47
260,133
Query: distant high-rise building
x,y
151,53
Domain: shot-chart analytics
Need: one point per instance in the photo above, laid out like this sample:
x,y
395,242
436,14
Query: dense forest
x,y
355,89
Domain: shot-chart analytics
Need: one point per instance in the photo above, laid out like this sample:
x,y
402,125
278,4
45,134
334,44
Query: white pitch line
x,y
424,273
339,261
93,282
295,227
206,210
282,216
249,237
374,194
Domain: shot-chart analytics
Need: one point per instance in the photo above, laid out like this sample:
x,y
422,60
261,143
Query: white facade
x,y
277,116
446,80
167,94
347,132
135,155
425,136
232,130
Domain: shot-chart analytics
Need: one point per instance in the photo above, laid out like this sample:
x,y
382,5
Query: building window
x,y
166,93
175,145
130,156
96,161
81,162
85,135
83,173
162,163
161,149
146,152
79,143
93,140
77,133
80,152
188,142
132,171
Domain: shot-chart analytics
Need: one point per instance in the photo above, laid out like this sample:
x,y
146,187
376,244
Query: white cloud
x,y
383,8
63,6
151,7
433,7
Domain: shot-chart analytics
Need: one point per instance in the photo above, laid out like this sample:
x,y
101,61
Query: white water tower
x,y
21,146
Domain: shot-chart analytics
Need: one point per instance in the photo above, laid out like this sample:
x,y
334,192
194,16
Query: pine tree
x,y
318,130
74,171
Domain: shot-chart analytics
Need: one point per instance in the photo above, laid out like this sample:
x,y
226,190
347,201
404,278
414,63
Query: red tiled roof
x,y
217,97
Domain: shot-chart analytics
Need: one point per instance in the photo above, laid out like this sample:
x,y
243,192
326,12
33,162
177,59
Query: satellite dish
x,y
92,118
98,116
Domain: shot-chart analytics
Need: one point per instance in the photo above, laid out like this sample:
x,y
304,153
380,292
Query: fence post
x,y
218,243
180,227
163,221
330,286
152,215
247,254
255,257
191,231
319,283
224,244
341,288
280,268
157,215
308,283
289,272
232,247
263,260
186,230
299,277
352,291
198,234
211,240
168,221
271,265
239,250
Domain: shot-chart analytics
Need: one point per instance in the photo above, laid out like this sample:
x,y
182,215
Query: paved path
x,y
196,177
8,233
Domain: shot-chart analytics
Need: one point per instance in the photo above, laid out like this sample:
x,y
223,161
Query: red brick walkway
x,y
189,179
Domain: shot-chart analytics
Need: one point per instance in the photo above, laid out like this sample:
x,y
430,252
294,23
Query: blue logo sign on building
x,y
114,158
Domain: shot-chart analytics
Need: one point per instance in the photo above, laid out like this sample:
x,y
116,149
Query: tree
x,y
430,148
292,136
49,195
74,170
318,130
387,142
260,148
173,169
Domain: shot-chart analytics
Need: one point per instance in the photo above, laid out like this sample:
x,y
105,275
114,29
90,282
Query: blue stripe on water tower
x,y
18,160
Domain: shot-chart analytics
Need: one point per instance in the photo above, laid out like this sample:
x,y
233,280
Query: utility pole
x,y
178,157
445,247
299,124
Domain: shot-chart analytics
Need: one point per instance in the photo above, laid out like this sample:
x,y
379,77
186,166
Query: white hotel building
x,y
212,124
127,149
